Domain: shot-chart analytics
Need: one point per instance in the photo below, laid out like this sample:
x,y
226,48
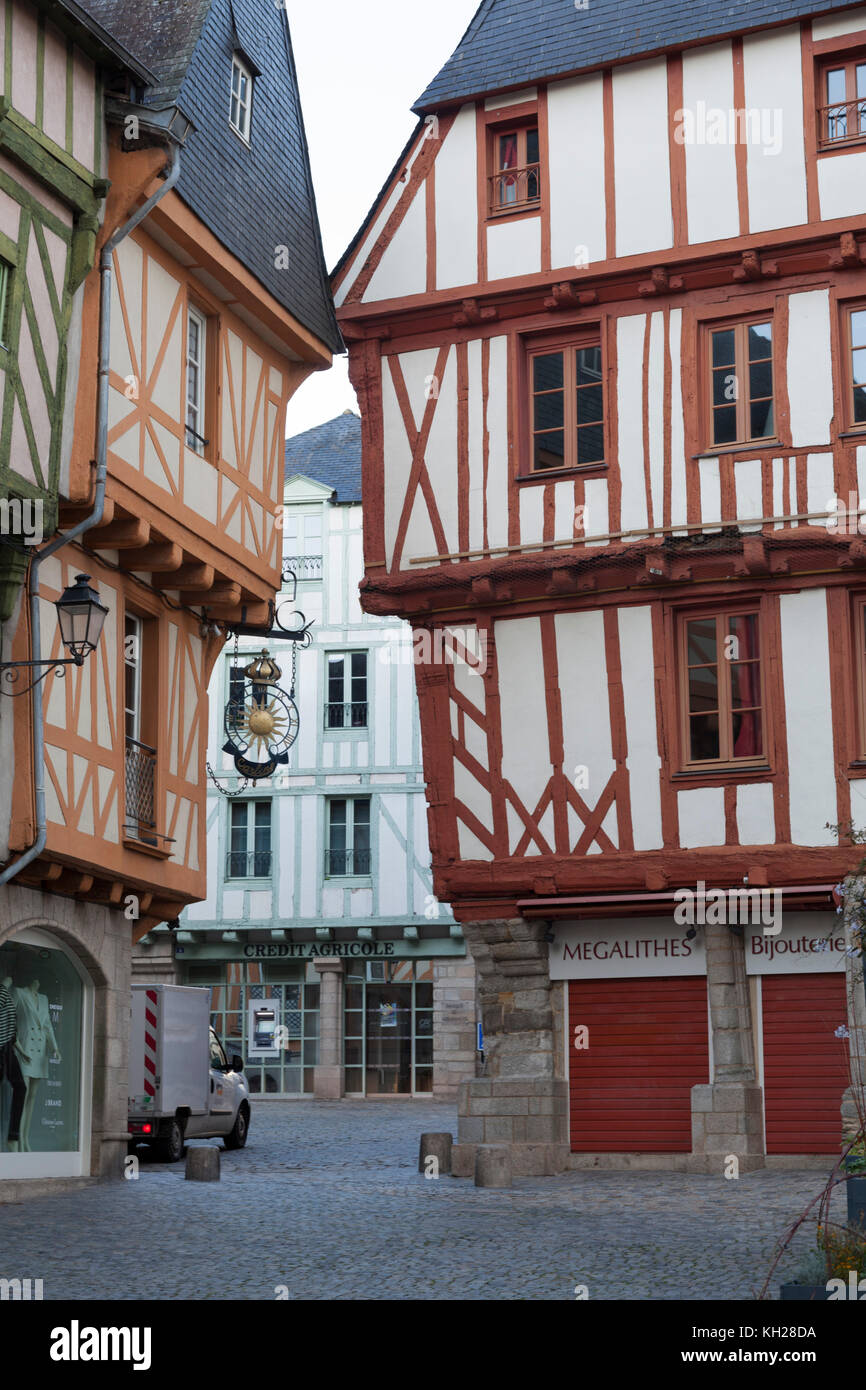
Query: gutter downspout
x,y
105,273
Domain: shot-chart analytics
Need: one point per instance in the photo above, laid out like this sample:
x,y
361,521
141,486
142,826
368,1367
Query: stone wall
x,y
455,1043
101,939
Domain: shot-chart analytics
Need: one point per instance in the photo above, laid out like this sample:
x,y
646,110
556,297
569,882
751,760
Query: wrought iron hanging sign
x,y
262,725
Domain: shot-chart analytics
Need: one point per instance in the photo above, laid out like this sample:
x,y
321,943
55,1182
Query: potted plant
x,y
855,1166
839,1253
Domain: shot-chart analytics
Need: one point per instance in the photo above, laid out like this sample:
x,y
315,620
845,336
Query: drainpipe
x,y
90,521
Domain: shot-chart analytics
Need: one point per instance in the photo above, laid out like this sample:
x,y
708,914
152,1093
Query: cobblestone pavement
x,y
326,1201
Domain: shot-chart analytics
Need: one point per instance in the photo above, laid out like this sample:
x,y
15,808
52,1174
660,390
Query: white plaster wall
x,y
585,701
834,26
810,380
642,179
772,66
679,510
842,184
808,714
526,753
756,821
711,170
656,417
513,248
497,424
701,812
403,268
457,204
630,332
643,761
575,134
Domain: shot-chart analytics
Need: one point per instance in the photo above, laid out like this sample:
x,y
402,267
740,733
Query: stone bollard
x,y
203,1165
492,1165
437,1147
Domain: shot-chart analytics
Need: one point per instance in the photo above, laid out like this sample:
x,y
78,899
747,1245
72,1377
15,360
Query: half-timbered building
x,y
607,324
208,307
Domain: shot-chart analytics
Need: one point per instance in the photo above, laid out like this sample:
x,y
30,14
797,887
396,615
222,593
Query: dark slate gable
x,y
513,43
255,198
329,454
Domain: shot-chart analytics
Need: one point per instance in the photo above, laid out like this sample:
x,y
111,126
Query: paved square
x,y
326,1201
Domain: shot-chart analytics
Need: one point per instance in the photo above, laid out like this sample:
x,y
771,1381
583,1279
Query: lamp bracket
x,y
10,672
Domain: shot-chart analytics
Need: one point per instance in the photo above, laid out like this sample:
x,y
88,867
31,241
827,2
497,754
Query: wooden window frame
x,y
740,327
723,614
519,119
589,336
245,109
860,659
848,310
849,60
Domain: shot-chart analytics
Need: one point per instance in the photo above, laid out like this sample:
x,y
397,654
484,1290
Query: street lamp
x,y
80,617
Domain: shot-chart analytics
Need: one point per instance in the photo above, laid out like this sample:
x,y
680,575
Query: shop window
x,y
346,705
854,334
566,406
269,1015
514,167
388,1047
721,689
41,1015
348,851
740,383
249,854
842,101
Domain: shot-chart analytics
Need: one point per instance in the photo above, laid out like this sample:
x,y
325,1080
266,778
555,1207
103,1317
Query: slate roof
x,y
255,198
329,454
514,43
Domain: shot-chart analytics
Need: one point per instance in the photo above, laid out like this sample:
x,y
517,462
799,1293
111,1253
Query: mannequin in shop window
x,y
10,1065
35,1038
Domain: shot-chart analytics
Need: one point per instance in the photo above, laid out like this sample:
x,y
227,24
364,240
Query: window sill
x,y
244,139
855,432
142,846
755,447
508,214
722,775
248,882
585,470
347,734
837,146
349,880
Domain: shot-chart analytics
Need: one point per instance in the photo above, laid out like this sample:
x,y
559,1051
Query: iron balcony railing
x,y
351,716
303,566
241,863
512,189
346,863
842,120
140,779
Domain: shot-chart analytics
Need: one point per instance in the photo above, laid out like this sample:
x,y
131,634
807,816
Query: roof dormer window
x,y
240,109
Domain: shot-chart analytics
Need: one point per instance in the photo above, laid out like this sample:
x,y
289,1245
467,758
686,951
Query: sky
x,y
360,67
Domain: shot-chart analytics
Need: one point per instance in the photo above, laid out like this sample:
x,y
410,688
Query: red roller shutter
x,y
648,1046
805,1065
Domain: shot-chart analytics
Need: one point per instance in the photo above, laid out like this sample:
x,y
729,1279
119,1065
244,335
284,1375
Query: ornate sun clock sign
x,y
262,725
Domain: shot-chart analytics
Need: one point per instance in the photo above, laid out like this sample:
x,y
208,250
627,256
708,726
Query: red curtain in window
x,y
746,681
508,152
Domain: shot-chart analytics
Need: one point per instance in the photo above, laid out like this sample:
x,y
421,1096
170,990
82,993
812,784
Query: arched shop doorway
x,y
46,1031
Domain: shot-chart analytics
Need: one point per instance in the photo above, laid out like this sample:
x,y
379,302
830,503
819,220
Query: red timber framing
x,y
543,550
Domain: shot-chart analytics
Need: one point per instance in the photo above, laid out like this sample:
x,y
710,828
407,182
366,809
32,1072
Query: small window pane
x,y
744,629
362,813
861,80
532,146
858,328
547,372
723,348
590,444
703,690
549,450
760,341
859,360
590,405
762,419
724,386
701,635
860,404
725,425
835,85
549,411
589,366
745,685
508,151
760,379
748,737
704,739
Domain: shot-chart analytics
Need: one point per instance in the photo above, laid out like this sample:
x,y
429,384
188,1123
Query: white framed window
x,y
348,852
302,544
249,854
242,98
346,703
196,343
